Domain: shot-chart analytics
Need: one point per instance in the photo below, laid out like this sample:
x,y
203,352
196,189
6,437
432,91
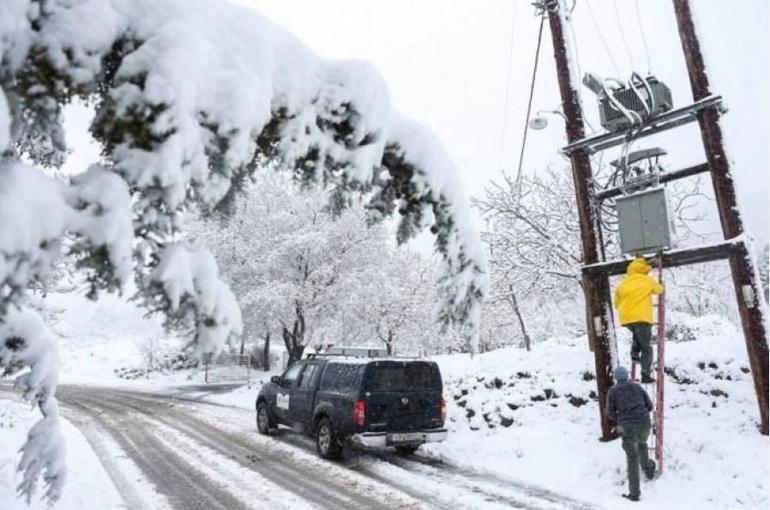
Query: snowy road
x,y
195,455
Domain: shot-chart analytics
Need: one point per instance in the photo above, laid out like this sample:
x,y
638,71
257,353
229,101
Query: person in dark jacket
x,y
628,407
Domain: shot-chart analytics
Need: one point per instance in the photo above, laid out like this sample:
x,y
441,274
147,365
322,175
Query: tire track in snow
x,y
436,482
181,483
484,477
312,485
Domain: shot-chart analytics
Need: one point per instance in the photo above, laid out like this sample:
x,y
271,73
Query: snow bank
x,y
534,417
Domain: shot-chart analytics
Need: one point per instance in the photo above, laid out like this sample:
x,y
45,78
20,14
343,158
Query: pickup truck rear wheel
x,y
264,423
407,449
325,440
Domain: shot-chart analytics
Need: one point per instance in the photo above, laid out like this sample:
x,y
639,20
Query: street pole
x,y
596,288
747,290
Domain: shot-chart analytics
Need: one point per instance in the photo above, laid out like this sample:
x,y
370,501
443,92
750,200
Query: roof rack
x,y
355,352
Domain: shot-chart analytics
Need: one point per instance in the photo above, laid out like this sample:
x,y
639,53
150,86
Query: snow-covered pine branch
x,y
26,343
190,98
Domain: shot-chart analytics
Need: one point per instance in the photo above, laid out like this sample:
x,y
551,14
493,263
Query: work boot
x,y
647,379
649,471
631,497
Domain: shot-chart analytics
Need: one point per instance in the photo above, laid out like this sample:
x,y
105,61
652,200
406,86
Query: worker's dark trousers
x,y
635,446
641,348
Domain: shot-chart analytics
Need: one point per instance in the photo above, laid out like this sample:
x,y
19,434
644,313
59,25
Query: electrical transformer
x,y
613,120
643,222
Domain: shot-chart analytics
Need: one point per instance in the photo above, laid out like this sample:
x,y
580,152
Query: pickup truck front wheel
x,y
264,424
325,442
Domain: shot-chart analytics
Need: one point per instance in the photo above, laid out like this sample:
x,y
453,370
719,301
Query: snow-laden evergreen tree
x,y
190,98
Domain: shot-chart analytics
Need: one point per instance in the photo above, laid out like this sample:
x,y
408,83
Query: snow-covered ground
x,y
527,416
533,416
714,455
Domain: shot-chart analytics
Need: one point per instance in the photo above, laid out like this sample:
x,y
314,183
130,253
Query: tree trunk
x,y
295,339
266,353
517,311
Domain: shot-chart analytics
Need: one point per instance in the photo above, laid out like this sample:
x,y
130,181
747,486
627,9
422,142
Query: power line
x,y
623,35
602,39
531,94
644,39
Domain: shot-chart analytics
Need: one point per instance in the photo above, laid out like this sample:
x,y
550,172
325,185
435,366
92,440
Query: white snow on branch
x,y
199,90
103,218
26,343
34,216
5,122
191,283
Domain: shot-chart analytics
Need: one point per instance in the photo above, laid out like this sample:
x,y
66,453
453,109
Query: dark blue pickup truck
x,y
370,402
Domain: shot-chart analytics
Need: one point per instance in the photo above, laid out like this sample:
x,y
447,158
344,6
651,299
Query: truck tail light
x,y
359,413
442,409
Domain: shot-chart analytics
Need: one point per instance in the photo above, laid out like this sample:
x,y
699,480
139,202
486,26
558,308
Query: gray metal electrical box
x,y
613,120
643,222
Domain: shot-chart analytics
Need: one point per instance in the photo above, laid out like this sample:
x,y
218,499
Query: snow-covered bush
x,y
190,98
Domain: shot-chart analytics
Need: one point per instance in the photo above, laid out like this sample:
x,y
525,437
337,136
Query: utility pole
x,y
596,287
747,289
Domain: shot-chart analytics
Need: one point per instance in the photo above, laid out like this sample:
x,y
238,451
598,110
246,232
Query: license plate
x,y
405,436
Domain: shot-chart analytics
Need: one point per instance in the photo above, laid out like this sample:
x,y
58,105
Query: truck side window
x,y
290,377
342,378
307,376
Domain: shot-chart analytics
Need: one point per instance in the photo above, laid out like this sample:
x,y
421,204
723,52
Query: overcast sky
x,y
448,64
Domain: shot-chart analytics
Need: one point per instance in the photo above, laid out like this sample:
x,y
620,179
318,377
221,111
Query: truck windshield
x,y
403,377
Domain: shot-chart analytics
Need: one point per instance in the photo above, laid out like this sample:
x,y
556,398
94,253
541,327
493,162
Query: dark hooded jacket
x,y
628,403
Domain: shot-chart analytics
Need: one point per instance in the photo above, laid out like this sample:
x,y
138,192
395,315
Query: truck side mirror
x,y
276,379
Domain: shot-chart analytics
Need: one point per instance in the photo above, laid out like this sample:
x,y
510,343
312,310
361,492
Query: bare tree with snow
x,y
533,238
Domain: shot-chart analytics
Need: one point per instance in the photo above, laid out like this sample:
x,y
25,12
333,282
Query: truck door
x,y
301,406
284,393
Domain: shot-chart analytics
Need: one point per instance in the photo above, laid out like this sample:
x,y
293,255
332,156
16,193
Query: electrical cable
x,y
644,39
531,95
602,39
623,35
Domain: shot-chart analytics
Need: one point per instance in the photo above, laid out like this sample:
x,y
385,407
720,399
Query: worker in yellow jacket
x,y
633,300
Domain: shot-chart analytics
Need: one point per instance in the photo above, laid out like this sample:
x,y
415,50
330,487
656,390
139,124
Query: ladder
x,y
658,393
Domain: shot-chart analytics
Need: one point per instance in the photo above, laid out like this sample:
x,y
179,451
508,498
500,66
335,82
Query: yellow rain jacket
x,y
633,296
